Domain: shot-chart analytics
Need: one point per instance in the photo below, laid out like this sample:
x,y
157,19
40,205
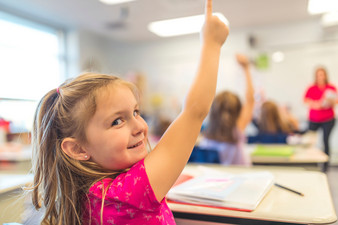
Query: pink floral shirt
x,y
129,200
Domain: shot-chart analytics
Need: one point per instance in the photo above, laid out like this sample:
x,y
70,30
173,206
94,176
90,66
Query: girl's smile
x,y
137,145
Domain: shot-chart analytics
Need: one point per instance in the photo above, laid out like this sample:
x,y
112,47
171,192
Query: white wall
x,y
170,64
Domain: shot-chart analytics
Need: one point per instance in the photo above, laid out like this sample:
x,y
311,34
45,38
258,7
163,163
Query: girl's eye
x,y
116,122
136,112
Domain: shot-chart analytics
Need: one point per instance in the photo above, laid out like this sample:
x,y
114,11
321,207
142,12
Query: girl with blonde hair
x,y
271,119
91,161
272,126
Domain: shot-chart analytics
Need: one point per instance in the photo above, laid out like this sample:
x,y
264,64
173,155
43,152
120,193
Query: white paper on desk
x,y
204,170
238,191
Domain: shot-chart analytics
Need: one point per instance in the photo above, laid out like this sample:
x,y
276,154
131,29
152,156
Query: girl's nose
x,y
139,126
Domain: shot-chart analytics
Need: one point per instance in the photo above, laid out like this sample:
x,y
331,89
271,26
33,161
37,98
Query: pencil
x,y
286,188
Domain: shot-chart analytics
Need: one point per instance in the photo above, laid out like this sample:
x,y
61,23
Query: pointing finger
x,y
208,8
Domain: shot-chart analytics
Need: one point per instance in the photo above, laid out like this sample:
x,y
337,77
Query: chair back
x,y
264,138
202,155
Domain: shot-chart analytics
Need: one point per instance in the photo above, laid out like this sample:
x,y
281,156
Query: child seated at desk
x,y
272,126
228,118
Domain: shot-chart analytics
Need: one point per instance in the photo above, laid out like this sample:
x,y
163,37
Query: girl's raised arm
x,y
248,105
165,163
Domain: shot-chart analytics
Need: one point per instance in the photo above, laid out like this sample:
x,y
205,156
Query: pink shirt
x,y
129,200
316,93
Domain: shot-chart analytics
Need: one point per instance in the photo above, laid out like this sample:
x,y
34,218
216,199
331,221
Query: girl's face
x,y
116,134
320,77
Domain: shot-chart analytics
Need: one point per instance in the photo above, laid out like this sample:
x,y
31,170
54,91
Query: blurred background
x,y
42,43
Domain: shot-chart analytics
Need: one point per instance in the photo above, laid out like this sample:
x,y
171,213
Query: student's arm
x,y
248,106
166,162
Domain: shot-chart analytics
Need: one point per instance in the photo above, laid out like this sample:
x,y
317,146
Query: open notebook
x,y
231,191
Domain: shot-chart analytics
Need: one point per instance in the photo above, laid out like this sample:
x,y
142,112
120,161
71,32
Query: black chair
x,y
265,138
201,155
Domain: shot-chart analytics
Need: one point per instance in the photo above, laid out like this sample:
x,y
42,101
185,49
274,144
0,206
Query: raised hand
x,y
214,30
243,60
166,162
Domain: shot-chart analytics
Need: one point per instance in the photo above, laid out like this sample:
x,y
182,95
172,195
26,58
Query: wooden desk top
x,y
279,205
14,175
9,182
302,155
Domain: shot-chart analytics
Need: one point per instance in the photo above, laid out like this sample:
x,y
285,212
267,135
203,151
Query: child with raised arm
x,y
228,119
272,127
91,163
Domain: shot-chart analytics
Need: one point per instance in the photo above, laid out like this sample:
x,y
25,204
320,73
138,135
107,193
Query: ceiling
x,y
128,21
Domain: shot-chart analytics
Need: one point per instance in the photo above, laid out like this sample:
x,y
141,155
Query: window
x,y
31,63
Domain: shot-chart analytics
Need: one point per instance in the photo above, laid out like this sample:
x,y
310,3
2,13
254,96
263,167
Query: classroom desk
x,y
10,182
305,156
278,206
13,176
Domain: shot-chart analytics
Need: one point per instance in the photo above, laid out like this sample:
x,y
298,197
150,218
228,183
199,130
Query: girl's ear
x,y
71,147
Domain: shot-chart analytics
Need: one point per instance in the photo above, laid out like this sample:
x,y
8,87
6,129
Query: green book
x,y
273,150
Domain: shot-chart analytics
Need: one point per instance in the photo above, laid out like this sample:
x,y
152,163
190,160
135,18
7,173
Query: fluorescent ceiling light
x,y
322,6
330,19
113,2
181,26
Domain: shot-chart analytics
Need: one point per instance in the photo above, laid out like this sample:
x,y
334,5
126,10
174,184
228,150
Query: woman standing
x,y
321,98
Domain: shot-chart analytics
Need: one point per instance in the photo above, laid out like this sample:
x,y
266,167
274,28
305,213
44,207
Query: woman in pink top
x,y
91,162
321,98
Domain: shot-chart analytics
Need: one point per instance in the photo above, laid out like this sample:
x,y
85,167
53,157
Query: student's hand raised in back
x,y
214,30
167,160
245,116
242,60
